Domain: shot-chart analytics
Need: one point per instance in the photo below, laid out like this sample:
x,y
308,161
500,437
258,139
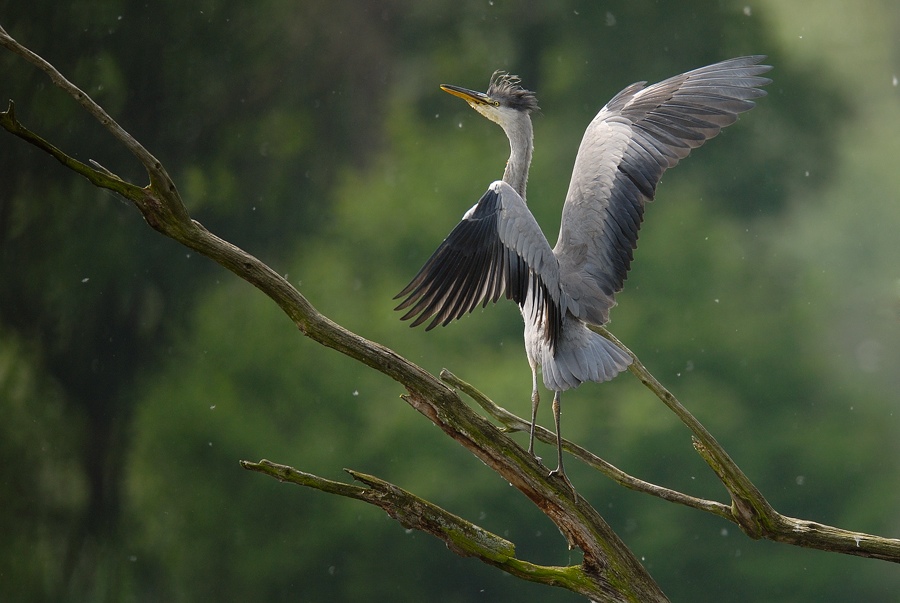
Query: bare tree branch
x,y
461,536
749,507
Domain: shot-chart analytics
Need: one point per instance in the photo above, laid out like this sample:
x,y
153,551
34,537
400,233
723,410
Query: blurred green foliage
x,y
134,375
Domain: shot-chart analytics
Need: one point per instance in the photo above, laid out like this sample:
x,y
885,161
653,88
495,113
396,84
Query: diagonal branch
x,y
99,178
751,511
461,536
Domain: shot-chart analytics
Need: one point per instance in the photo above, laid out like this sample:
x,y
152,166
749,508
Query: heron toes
x,y
558,472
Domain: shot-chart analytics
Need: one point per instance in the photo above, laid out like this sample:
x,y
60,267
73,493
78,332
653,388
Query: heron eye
x,y
496,103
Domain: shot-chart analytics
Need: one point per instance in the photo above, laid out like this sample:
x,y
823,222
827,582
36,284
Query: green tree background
x,y
133,375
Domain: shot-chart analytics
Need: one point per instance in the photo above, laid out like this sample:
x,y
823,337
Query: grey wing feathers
x,y
497,249
639,134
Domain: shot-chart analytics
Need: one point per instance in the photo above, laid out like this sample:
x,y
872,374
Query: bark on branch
x,y
461,536
609,571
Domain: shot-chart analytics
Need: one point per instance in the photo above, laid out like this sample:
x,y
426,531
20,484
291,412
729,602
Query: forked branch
x,y
461,536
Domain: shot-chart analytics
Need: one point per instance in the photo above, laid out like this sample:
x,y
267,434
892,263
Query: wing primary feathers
x,y
638,135
475,265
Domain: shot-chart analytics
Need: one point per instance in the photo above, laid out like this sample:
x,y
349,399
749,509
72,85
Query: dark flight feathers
x,y
476,264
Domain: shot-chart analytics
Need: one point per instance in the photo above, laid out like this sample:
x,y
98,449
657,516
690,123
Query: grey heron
x,y
499,249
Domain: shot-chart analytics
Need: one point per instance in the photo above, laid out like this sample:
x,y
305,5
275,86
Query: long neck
x,y
521,145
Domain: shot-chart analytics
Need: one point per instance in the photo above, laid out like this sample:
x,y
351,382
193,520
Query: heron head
x,y
505,100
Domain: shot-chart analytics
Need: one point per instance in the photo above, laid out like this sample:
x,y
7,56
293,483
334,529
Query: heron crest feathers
x,y
507,89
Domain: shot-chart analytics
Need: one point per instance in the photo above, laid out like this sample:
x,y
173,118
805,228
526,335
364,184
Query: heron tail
x,y
582,355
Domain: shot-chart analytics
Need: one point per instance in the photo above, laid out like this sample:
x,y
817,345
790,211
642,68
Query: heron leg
x,y
535,400
560,471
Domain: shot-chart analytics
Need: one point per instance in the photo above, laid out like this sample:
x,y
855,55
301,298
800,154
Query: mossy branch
x,y
412,512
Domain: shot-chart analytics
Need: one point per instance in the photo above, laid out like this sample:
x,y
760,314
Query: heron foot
x,y
559,472
531,451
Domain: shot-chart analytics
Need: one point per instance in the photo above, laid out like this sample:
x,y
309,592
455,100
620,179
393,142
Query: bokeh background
x,y
134,374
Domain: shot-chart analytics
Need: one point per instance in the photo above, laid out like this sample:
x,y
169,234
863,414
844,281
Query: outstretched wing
x,y
636,137
497,249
